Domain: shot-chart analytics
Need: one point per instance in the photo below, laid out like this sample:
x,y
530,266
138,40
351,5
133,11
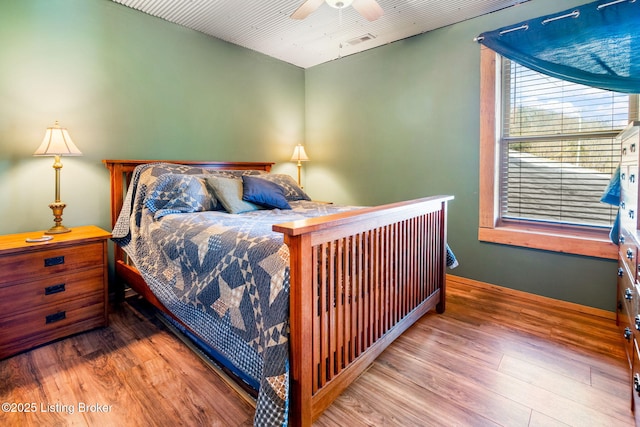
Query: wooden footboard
x,y
358,280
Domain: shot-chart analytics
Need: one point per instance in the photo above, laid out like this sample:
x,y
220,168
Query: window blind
x,y
558,148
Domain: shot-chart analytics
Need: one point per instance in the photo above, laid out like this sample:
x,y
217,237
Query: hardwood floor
x,y
494,358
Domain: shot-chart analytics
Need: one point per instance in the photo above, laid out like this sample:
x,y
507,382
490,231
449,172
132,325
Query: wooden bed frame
x,y
358,280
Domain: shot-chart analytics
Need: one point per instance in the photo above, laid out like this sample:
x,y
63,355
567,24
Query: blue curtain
x,y
597,44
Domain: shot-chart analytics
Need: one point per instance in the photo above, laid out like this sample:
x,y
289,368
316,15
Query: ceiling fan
x,y
370,9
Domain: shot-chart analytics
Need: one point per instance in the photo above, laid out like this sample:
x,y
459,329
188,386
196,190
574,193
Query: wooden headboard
x,y
121,171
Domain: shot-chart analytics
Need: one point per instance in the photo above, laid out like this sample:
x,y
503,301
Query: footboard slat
x,y
331,308
372,273
317,296
362,314
342,294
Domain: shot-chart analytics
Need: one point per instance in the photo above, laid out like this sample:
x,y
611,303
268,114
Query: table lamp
x,y
57,143
299,156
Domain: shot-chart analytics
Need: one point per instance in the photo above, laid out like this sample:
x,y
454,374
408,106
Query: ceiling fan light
x,y
339,4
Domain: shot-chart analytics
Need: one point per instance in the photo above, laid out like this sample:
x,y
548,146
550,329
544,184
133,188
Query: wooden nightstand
x,y
50,290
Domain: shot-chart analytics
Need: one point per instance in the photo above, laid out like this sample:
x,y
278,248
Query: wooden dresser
x,y
49,290
628,316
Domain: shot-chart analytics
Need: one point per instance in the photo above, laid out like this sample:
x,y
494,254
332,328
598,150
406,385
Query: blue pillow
x,y
264,193
291,190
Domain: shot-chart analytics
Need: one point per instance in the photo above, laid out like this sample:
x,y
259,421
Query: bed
x,y
297,302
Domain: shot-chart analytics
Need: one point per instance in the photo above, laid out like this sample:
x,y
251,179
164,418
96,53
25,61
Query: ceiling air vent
x,y
357,40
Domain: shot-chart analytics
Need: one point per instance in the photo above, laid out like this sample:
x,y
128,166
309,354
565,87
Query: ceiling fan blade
x,y
306,9
370,9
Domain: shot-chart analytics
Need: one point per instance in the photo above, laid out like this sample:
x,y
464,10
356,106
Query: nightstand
x,y
50,290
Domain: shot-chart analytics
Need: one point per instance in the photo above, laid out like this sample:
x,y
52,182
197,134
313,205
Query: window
x,y
558,148
548,150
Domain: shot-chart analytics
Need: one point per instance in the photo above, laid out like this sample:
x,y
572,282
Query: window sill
x,y
592,243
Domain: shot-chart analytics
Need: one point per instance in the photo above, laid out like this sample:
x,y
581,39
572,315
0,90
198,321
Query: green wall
x,y
396,122
127,86
402,121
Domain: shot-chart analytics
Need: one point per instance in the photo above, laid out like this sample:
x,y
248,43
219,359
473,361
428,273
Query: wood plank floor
x,y
494,358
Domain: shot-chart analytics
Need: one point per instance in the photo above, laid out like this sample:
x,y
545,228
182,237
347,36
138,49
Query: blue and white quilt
x,y
226,276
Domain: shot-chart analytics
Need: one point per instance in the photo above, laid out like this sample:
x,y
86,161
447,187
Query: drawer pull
x,y
623,205
620,272
632,178
54,289
56,260
623,176
628,294
636,383
638,322
633,148
61,315
621,238
627,332
629,254
631,214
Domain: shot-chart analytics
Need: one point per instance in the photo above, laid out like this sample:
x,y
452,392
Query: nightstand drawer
x,y
51,261
23,331
50,290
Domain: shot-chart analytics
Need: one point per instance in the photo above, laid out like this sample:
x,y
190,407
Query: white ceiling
x,y
265,25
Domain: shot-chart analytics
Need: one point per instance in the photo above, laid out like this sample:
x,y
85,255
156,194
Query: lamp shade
x,y
57,142
299,154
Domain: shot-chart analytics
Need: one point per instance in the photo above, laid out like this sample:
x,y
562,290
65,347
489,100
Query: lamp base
x,y
57,229
57,207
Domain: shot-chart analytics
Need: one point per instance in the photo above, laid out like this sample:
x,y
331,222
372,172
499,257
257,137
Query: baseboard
x,y
565,305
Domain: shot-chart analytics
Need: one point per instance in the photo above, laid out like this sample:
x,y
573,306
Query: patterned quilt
x,y
226,276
